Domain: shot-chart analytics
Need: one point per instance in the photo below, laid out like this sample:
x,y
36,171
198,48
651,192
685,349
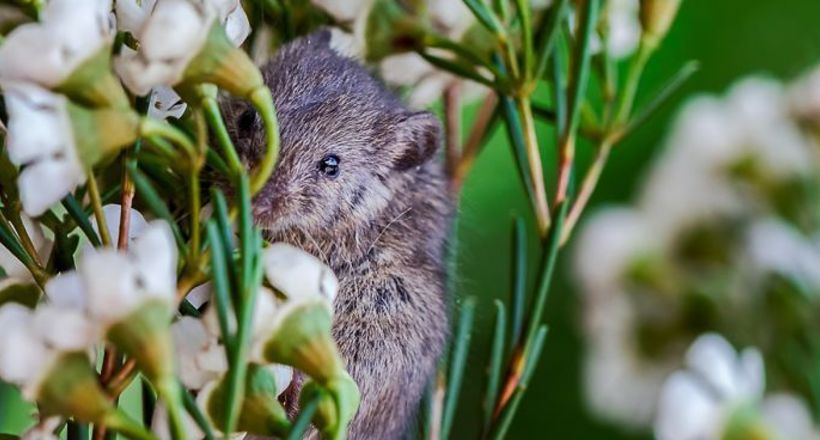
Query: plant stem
x,y
587,188
96,204
452,127
633,79
575,95
471,147
263,101
217,123
540,203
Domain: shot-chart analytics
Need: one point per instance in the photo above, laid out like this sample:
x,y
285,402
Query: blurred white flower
x,y
789,417
13,268
32,340
171,33
112,212
694,179
201,358
43,430
47,52
343,11
118,283
41,139
804,98
618,382
623,27
111,284
160,424
774,246
698,403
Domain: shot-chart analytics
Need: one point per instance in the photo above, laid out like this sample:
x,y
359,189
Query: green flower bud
x,y
71,388
337,404
657,17
302,339
260,414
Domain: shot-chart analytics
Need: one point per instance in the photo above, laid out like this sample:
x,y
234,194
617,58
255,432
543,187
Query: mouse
x,y
359,184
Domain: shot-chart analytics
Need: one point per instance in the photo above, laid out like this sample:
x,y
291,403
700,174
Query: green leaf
x,y
457,364
193,409
512,407
20,292
496,358
519,288
548,33
302,422
486,17
662,97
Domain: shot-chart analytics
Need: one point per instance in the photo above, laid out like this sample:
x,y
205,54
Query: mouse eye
x,y
246,120
329,165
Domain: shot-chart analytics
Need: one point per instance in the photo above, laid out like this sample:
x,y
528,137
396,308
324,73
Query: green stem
x,y
540,203
172,395
214,117
633,79
120,422
152,127
96,204
263,102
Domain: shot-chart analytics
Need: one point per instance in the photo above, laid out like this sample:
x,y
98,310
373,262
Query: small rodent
x,y
359,184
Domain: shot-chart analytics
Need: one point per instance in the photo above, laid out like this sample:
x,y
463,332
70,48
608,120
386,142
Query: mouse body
x,y
359,185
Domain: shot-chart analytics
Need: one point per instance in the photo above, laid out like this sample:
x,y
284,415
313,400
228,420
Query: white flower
x,y
620,383
298,274
160,423
118,283
698,403
41,138
693,180
111,284
623,27
32,340
171,33
774,246
343,11
46,53
133,14
112,213
169,38
43,430
201,358
13,268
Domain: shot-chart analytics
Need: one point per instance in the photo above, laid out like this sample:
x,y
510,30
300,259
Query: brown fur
x,y
381,225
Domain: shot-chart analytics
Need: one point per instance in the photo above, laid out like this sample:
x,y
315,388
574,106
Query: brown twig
x,y
452,126
472,146
586,190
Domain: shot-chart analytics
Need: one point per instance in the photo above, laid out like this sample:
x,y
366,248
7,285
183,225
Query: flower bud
x,y
260,413
656,18
302,339
337,404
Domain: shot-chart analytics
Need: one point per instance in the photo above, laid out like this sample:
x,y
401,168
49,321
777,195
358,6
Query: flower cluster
x,y
723,238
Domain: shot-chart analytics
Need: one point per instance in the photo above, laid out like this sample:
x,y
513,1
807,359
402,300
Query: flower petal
x,y
67,290
686,411
298,274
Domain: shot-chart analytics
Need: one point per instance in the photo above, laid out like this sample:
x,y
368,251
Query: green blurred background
x,y
730,39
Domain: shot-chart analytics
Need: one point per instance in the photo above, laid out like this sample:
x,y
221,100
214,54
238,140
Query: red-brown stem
x,y
514,376
565,161
471,147
587,188
452,126
539,193
120,381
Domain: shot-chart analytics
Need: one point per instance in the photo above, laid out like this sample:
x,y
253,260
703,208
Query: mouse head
x,y
348,147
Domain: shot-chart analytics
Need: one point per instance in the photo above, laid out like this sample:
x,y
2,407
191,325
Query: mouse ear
x,y
320,38
419,135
